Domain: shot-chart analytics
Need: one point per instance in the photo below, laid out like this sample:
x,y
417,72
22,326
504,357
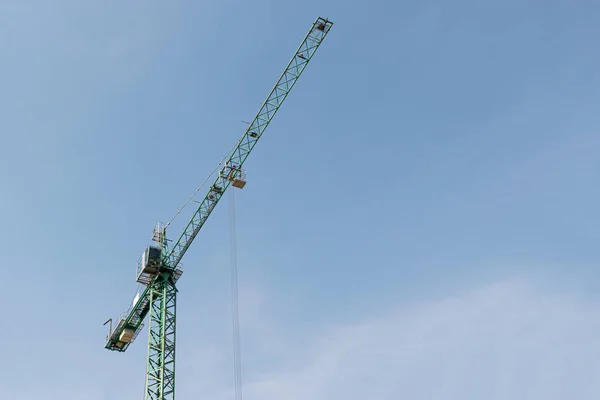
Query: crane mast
x,y
159,267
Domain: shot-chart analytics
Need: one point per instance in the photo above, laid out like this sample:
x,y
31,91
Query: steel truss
x,y
160,370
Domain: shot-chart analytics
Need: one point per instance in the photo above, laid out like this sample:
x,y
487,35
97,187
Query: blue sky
x,y
420,219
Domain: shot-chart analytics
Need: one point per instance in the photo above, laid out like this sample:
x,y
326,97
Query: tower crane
x,y
159,267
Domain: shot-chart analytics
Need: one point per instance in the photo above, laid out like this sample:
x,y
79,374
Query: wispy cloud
x,y
508,340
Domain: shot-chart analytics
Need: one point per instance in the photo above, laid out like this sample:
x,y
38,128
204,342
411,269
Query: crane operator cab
x,y
148,265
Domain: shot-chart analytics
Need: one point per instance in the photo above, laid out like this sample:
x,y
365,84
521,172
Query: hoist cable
x,y
235,315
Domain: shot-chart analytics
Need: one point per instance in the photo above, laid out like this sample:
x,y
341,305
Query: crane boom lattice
x,y
284,85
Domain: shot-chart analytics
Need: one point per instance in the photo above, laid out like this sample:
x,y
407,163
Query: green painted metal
x,y
132,319
159,297
284,85
160,369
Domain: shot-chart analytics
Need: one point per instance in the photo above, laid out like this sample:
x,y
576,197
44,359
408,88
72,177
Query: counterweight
x,y
159,268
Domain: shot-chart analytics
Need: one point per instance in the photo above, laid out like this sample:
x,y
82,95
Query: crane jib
x,y
284,85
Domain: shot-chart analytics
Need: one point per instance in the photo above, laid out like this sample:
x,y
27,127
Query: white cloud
x,y
503,341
